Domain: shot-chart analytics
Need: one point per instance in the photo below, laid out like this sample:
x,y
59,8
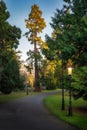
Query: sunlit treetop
x,y
35,22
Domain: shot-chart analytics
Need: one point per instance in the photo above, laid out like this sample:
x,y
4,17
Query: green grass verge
x,y
14,95
8,97
53,103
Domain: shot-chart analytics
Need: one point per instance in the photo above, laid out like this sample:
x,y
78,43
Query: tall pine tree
x,y
35,23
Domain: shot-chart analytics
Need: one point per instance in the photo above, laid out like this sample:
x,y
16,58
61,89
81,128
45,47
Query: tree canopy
x,y
9,40
69,38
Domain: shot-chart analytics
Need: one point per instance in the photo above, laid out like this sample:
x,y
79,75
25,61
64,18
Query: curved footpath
x,y
29,113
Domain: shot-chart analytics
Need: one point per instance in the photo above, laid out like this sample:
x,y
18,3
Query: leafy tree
x,y
78,32
35,23
80,83
57,47
10,75
78,36
69,38
9,36
47,74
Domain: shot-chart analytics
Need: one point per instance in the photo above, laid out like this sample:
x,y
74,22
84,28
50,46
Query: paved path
x,y
29,113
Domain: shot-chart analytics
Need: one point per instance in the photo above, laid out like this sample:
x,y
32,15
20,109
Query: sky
x,y
19,11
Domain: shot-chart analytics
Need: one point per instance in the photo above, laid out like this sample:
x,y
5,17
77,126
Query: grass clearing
x,y
14,95
79,119
8,97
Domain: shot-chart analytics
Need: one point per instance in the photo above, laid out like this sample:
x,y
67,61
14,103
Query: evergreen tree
x,y
9,36
35,23
69,38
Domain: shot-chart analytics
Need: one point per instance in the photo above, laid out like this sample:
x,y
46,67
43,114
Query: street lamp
x,y
62,81
70,70
70,90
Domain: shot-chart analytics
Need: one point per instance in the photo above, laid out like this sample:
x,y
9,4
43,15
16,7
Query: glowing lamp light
x,y
69,70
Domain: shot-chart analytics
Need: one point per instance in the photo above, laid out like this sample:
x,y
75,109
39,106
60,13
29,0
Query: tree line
x,y
66,45
9,60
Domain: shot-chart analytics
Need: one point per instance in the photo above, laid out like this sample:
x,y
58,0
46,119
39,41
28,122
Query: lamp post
x,y
70,91
62,81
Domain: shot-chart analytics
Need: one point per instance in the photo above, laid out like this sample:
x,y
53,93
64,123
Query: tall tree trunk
x,y
36,83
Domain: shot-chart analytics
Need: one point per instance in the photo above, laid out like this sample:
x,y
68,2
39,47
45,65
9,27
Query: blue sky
x,y
19,11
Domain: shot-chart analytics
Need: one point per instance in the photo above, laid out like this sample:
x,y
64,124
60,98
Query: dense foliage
x,y
69,41
9,63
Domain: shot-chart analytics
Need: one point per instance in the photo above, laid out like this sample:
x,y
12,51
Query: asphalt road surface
x,y
29,113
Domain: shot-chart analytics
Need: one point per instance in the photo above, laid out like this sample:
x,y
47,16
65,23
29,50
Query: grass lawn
x,y
79,118
14,95
8,97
